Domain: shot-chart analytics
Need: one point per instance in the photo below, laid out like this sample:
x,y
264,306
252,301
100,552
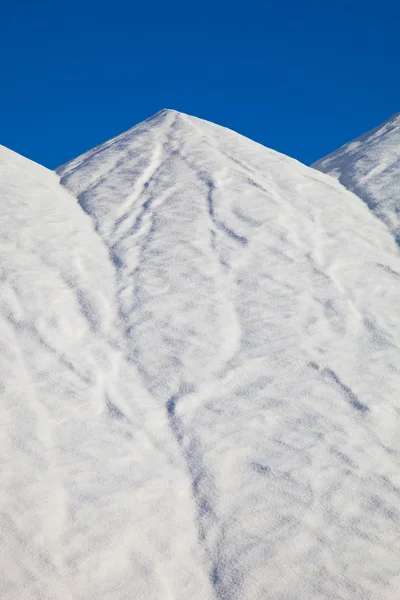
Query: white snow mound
x,y
200,373
370,167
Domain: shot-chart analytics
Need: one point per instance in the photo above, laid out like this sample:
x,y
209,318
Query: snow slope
x,y
94,501
370,167
202,375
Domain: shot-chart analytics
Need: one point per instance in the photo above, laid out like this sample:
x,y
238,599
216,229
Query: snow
x,y
200,373
369,166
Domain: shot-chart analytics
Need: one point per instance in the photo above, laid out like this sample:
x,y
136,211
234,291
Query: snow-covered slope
x,y
95,501
201,386
370,167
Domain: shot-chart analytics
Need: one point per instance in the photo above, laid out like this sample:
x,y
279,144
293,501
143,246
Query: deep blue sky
x,y
300,76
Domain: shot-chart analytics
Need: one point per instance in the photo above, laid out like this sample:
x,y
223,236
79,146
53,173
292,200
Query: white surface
x,y
370,167
200,376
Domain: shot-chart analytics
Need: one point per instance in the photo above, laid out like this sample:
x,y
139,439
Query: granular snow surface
x,y
200,375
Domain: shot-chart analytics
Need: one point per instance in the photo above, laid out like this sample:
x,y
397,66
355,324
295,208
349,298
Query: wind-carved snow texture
x,y
370,167
201,376
94,501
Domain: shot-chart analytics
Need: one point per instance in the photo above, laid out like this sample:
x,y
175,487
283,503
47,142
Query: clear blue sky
x,y
300,76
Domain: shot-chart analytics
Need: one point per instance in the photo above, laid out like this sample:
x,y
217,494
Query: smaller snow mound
x,y
370,167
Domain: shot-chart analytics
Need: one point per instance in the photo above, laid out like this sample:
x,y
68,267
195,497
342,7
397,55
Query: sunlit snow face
x,y
199,375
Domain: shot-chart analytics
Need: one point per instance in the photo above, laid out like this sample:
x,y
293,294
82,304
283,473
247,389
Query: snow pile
x,y
201,375
370,167
95,502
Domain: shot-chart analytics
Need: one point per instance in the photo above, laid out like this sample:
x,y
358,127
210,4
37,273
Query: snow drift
x,y
200,376
370,167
